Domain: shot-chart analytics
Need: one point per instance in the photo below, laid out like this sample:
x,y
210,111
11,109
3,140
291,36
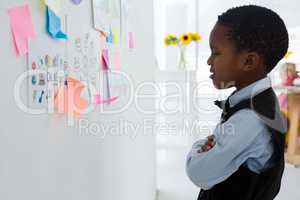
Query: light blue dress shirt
x,y
243,138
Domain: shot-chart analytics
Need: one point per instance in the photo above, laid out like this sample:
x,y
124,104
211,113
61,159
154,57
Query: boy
x,y
244,158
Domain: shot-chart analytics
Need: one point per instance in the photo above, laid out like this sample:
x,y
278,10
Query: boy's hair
x,y
258,29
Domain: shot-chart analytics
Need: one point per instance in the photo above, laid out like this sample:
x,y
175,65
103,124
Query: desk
x,y
293,149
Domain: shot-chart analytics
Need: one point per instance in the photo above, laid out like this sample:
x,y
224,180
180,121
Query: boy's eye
x,y
215,53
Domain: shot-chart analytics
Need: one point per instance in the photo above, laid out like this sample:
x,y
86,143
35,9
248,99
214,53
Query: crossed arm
x,y
214,159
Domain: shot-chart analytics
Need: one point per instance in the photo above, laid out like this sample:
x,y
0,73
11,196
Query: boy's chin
x,y
221,85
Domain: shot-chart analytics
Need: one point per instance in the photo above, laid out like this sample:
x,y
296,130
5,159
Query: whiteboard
x,y
45,157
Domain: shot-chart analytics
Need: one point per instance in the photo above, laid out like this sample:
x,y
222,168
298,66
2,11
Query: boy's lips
x,y
212,76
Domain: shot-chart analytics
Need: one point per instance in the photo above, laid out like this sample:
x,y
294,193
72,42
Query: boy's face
x,y
225,61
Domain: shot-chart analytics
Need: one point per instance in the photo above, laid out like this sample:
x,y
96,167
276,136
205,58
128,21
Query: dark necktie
x,y
224,105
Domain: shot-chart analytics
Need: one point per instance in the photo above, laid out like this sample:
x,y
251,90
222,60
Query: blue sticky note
x,y
53,25
110,37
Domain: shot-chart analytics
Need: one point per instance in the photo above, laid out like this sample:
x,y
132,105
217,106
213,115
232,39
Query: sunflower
x,y
195,36
174,40
185,39
167,41
171,40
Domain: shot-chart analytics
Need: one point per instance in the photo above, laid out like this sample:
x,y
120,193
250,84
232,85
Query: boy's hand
x,y
210,143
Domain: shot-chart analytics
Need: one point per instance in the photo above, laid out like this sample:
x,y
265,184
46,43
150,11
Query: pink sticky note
x,y
105,60
21,27
118,60
79,105
21,44
75,103
15,45
98,100
68,98
60,100
130,40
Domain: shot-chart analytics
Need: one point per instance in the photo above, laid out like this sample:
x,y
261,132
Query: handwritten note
x,y
101,15
21,27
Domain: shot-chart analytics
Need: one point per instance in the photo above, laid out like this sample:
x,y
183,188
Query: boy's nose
x,y
209,62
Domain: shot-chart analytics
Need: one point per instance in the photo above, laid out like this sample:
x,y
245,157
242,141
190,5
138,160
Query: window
x,y
181,16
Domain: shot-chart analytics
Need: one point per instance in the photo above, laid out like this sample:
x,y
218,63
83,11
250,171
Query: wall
x,y
42,157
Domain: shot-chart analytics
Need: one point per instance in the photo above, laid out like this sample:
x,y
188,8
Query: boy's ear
x,y
251,61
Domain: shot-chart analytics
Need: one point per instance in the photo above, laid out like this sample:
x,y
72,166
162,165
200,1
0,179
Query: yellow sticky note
x,y
54,5
116,36
42,6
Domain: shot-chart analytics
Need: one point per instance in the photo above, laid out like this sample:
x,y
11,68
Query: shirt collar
x,y
250,91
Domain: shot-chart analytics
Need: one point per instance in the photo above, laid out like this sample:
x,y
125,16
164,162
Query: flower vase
x,y
182,59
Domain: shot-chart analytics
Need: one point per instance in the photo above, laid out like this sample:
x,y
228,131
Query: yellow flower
x,y
171,40
174,40
195,36
167,41
185,39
